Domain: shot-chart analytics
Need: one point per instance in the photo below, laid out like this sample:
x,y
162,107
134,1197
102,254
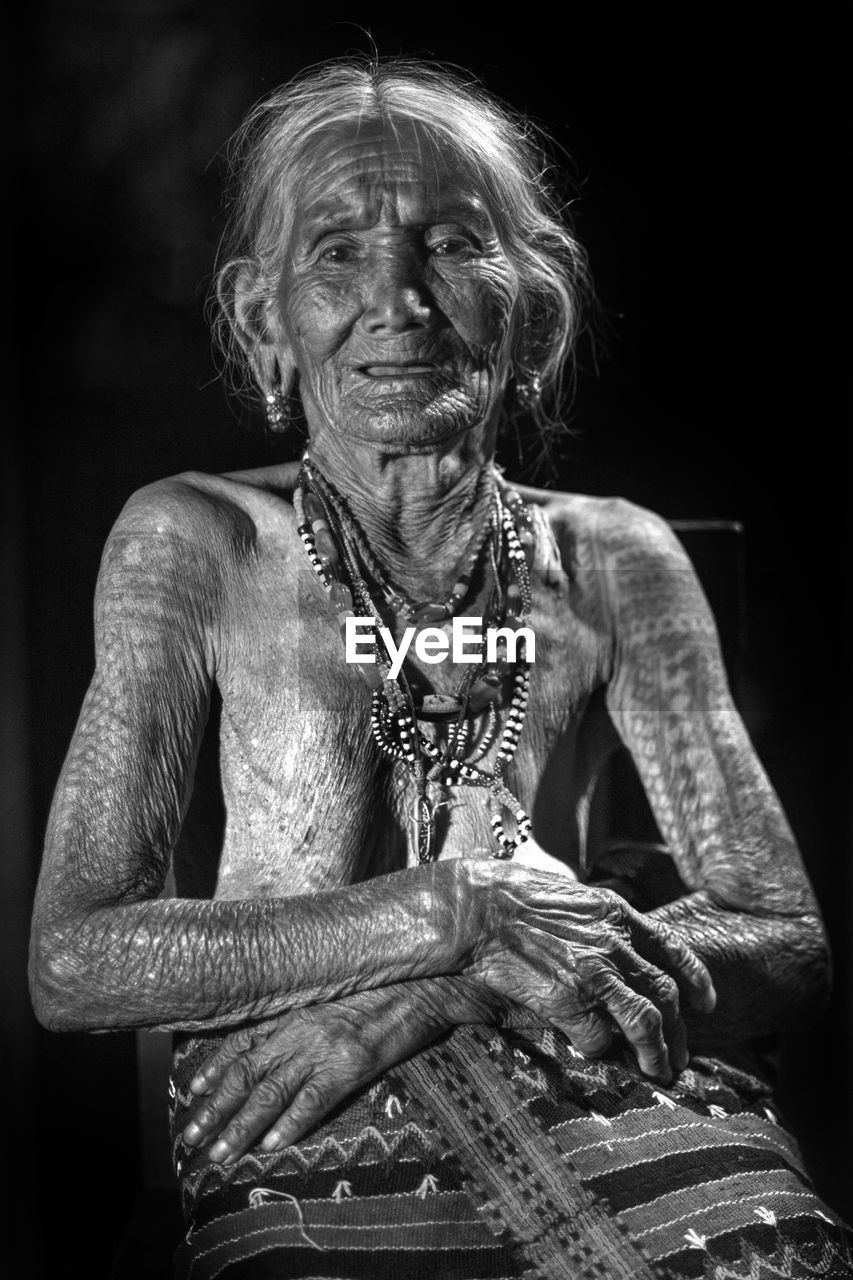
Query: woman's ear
x,y
255,323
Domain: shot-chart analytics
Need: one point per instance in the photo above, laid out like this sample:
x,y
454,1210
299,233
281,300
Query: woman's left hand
x,y
282,1077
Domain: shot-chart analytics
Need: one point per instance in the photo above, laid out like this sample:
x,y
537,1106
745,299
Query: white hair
x,y
507,162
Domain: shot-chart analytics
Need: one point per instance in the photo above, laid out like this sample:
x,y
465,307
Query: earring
x,y
528,392
276,409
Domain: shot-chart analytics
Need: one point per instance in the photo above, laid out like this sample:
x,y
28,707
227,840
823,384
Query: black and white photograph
x,y
426,681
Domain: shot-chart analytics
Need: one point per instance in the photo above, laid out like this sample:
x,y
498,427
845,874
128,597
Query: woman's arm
x,y
105,952
751,914
751,917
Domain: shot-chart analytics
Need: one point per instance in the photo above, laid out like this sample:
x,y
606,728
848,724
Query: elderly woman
x,y
418,1037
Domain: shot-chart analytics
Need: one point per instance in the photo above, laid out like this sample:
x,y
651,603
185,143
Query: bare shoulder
x,y
607,531
631,563
214,511
185,541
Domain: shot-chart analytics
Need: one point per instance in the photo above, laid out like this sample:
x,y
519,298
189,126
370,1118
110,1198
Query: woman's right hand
x,y
584,960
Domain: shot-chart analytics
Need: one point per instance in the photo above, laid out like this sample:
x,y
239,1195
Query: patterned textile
x,y
505,1153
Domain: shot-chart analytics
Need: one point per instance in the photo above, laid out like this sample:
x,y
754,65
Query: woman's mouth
x,y
396,370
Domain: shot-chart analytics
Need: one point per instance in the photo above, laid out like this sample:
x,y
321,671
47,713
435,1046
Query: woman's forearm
x,y
191,965
770,972
418,1011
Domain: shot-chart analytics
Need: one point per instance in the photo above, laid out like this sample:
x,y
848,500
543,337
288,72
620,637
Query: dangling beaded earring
x,y
528,390
276,409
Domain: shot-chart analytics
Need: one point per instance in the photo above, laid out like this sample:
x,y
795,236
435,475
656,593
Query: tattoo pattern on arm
x,y
751,913
106,952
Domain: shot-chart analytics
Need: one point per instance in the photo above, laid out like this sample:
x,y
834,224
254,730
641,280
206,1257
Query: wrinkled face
x,y
397,299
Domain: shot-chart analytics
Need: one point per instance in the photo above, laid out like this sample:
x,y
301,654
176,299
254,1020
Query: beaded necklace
x,y
419,613
343,561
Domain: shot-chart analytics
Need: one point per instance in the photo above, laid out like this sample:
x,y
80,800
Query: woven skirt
x,y
503,1154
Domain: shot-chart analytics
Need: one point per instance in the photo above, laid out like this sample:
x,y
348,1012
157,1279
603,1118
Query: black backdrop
x,y
706,150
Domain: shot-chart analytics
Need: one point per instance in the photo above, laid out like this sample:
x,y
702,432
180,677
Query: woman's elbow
x,y
57,988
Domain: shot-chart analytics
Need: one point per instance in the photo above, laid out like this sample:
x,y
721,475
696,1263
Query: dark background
x,y
706,150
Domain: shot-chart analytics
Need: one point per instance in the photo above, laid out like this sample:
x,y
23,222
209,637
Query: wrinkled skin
x,y
397,297
283,1077
277,1080
324,946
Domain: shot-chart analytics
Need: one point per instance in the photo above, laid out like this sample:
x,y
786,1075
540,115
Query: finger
x,y
271,1096
663,947
552,1000
235,1044
310,1105
642,1026
662,990
588,1031
639,1020
227,1097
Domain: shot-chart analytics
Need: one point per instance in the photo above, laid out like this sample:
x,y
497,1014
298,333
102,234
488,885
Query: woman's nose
x,y
396,298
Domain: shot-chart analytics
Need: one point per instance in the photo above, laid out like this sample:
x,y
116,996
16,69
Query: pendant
x,y
486,691
423,821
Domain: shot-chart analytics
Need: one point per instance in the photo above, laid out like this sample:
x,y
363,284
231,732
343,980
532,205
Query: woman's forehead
x,y
394,166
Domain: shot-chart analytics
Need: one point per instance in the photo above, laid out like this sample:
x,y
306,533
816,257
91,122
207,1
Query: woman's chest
x,y
312,801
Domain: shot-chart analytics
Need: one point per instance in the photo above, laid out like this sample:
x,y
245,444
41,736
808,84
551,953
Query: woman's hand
x,y
572,955
583,959
282,1077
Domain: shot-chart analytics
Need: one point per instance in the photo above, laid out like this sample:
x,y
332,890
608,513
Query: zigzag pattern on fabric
x,y
830,1260
557,1168
693,1173
368,1147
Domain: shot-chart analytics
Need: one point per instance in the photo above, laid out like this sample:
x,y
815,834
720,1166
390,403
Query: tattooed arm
x,y
105,951
108,953
751,914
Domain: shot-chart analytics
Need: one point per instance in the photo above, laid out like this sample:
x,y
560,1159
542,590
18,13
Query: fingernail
x,y
219,1153
192,1134
198,1084
271,1142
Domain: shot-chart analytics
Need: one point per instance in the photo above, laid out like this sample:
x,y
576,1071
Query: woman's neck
x,y
418,512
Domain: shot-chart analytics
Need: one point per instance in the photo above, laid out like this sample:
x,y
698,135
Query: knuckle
x,y
684,955
662,932
208,1116
239,1041
240,1128
269,1093
240,1076
643,1021
612,904
313,1096
599,976
666,990
686,961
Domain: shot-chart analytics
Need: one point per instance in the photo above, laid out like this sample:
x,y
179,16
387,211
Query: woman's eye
x,y
336,253
450,246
